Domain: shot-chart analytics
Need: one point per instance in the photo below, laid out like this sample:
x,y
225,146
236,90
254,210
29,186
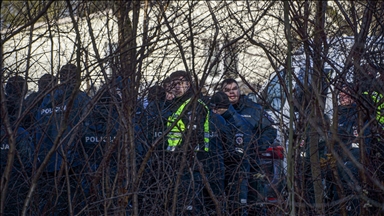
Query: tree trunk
x,y
290,156
127,51
318,111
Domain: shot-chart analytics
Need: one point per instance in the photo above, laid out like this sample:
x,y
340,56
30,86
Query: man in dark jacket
x,y
14,181
348,146
235,157
154,114
213,163
63,108
155,183
101,143
58,133
32,102
263,132
100,132
190,143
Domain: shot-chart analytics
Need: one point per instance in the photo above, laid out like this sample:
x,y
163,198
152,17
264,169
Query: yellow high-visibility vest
x,y
377,97
176,133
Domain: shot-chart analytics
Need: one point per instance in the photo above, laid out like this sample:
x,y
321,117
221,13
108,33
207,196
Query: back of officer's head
x,y
156,93
219,100
67,74
15,87
46,81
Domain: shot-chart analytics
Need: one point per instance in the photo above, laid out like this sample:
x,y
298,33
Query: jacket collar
x,y
241,103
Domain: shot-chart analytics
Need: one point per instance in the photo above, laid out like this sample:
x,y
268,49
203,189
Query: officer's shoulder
x,y
22,134
31,97
216,117
249,103
82,97
21,130
82,94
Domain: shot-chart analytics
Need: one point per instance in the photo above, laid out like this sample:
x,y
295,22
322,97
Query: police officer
x,y
157,111
154,124
101,130
345,153
263,134
235,153
213,166
211,157
16,158
59,130
187,142
372,88
58,105
348,147
32,102
157,106
372,101
101,141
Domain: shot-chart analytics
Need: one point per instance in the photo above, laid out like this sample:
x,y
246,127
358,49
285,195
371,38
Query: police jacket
x,y
219,135
13,107
32,103
51,114
24,149
100,131
104,134
237,148
263,132
348,134
156,117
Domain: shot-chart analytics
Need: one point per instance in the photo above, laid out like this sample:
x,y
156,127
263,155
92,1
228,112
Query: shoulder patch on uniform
x,y
239,140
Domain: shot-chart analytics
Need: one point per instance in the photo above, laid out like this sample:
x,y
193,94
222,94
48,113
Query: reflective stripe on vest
x,y
377,97
175,135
